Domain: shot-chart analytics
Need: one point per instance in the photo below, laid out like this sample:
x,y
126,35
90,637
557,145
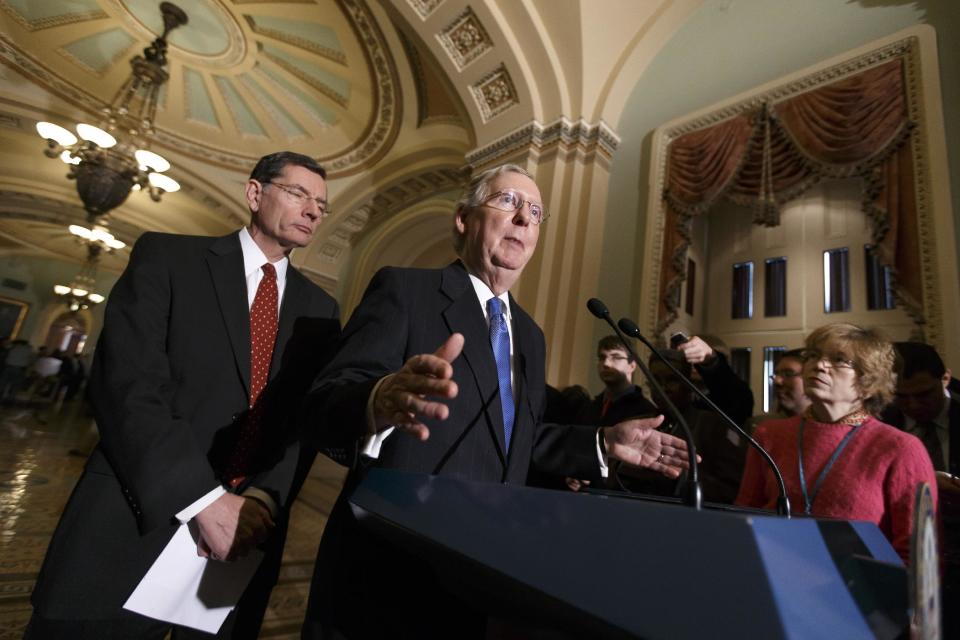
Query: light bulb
x,y
96,135
151,160
77,230
55,132
166,183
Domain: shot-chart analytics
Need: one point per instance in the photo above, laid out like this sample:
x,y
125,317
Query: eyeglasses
x,y
611,356
835,361
786,374
510,201
299,197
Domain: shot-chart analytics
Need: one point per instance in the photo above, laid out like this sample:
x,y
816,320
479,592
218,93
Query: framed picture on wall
x,y
12,314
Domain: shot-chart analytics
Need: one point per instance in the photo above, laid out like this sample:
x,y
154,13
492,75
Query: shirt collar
x,y
254,258
484,294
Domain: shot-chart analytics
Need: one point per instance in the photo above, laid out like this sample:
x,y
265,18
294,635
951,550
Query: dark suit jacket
x,y
359,587
169,384
893,416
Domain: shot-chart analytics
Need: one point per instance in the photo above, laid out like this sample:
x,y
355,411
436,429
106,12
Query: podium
x,y
605,566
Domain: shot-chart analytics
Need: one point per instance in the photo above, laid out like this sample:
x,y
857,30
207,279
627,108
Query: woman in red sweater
x,y
838,460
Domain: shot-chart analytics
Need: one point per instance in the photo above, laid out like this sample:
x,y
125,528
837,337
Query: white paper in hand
x,y
183,588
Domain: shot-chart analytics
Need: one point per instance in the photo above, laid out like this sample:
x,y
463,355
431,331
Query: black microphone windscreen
x,y
629,327
597,308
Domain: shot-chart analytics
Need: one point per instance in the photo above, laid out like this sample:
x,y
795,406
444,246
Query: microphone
x,y
630,328
692,494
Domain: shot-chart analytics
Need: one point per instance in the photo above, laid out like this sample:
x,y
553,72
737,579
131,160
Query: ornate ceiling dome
x,y
246,77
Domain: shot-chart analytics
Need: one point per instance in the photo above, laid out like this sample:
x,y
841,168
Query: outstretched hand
x,y
637,442
402,399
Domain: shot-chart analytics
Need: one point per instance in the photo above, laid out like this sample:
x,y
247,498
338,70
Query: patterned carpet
x,y
41,457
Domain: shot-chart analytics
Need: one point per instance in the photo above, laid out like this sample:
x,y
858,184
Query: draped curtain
x,y
856,127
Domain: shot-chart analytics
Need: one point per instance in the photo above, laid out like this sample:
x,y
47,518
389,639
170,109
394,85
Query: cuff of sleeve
x,y
264,497
602,454
187,514
371,418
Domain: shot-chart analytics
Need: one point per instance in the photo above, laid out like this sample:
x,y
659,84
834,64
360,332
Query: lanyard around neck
x,y
809,498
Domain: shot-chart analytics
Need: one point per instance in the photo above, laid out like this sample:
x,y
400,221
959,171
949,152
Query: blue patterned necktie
x,y
500,342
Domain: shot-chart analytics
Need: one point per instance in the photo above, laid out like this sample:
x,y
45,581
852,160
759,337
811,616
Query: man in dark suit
x,y
473,408
924,407
207,348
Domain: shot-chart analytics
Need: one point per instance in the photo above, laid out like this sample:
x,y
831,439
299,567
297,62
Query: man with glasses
x,y
620,399
445,373
787,380
924,407
207,349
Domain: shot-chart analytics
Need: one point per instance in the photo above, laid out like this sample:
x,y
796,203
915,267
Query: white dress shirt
x,y
253,261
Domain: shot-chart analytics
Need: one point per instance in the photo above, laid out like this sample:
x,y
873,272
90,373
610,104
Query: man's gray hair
x,y
476,192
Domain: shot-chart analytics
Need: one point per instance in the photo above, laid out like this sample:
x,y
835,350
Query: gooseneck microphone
x,y
630,328
692,494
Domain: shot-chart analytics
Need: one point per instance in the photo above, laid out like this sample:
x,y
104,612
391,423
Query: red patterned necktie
x,y
263,335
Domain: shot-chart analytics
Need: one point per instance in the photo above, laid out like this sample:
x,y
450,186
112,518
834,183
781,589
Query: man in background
x,y
924,407
787,390
620,399
207,348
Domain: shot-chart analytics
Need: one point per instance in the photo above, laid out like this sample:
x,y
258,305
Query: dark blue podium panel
x,y
617,567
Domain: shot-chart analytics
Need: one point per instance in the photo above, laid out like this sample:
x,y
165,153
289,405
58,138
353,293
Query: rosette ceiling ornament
x,y
109,162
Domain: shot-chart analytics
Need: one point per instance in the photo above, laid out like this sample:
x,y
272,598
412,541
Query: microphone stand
x,y
691,491
783,502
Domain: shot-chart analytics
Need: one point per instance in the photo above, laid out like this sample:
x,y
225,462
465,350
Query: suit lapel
x,y
292,307
522,341
225,261
465,315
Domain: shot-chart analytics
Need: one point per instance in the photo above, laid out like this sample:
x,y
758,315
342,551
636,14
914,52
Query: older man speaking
x,y
450,358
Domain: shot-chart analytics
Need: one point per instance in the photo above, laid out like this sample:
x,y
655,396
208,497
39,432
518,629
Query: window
x,y
742,290
691,285
879,282
740,363
775,288
771,356
836,280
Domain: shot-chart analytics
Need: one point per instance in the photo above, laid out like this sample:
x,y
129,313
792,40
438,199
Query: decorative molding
x,y
282,36
52,21
30,67
424,7
307,79
20,205
120,54
388,201
579,135
387,106
11,121
465,39
791,89
495,93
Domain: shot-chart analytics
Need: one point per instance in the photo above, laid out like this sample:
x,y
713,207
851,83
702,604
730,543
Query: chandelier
x,y
109,162
79,294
